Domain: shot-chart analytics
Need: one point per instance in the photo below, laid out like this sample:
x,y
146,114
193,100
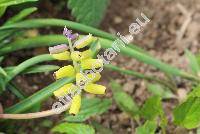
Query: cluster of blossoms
x,y
82,69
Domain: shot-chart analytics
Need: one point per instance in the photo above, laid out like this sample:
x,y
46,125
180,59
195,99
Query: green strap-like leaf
x,y
38,97
6,3
57,39
22,14
16,91
37,23
28,63
141,57
2,11
39,41
34,69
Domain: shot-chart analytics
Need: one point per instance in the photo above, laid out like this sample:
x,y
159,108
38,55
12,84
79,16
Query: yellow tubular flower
x,y
76,56
95,89
62,56
81,43
75,105
86,54
91,63
66,89
87,78
66,71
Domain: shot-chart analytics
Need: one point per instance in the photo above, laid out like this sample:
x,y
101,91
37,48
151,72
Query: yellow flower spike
x,y
94,77
95,89
66,89
76,56
86,40
66,71
75,105
91,63
62,56
88,78
86,54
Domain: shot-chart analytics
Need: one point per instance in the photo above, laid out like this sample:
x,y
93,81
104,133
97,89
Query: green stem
x,y
191,77
76,66
139,75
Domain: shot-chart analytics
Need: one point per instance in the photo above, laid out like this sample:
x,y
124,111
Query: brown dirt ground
x,y
159,38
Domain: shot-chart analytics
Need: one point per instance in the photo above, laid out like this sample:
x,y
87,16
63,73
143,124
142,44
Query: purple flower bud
x,y
74,36
68,34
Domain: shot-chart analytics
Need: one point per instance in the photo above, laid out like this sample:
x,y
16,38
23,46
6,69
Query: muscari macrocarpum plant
x,y
102,40
84,80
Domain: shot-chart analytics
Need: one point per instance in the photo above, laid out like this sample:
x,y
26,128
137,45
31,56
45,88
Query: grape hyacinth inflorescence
x,y
82,61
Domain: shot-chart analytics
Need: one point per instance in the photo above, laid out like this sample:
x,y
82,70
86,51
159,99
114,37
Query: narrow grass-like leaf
x,y
128,72
3,76
142,57
37,23
73,128
5,36
35,69
38,97
90,107
15,91
56,39
2,84
3,72
21,15
28,63
41,69
137,75
2,11
39,41
1,59
6,3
